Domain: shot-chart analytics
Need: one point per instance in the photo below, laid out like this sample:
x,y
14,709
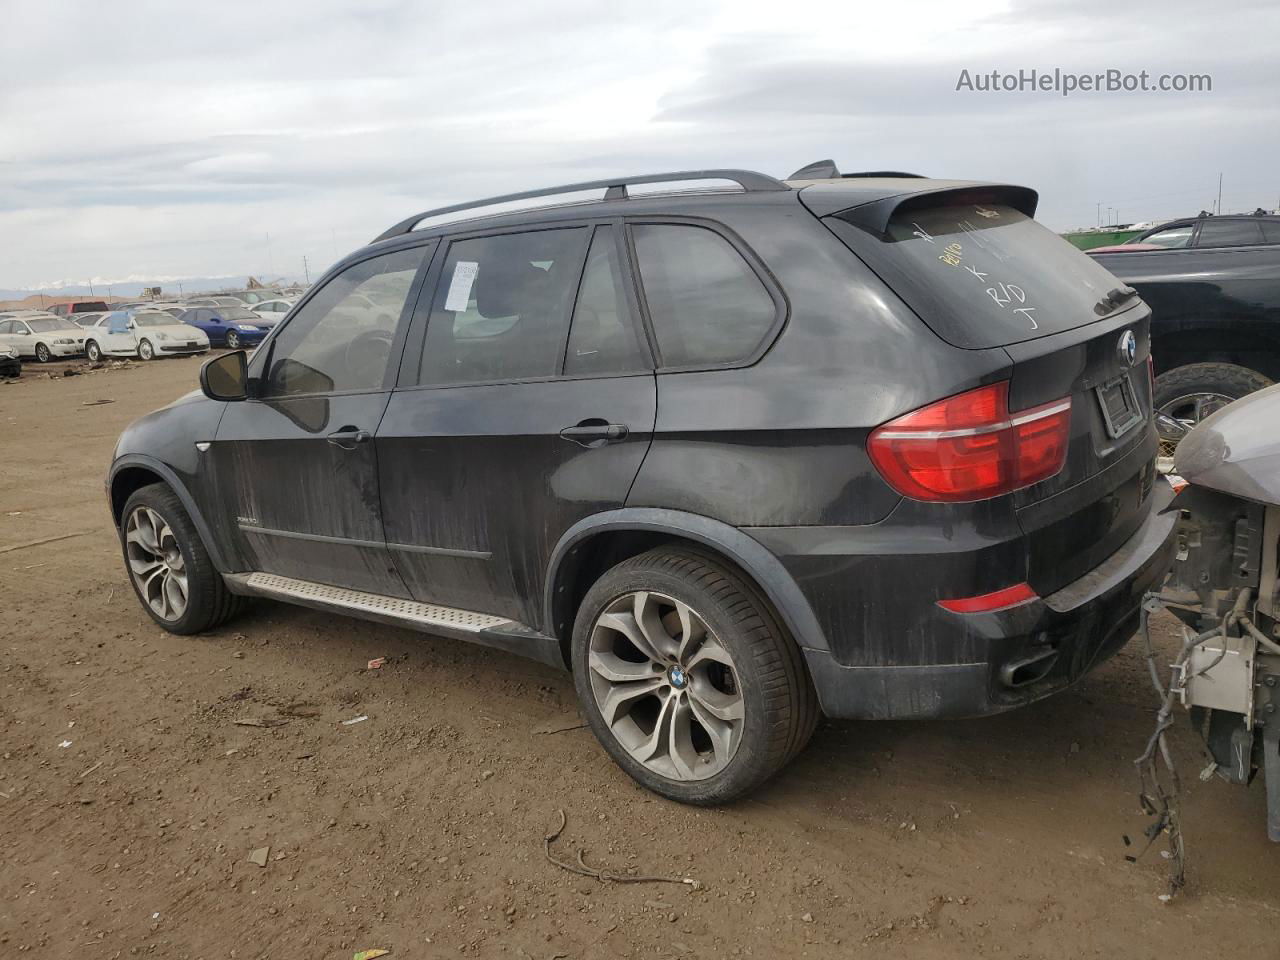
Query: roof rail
x,y
615,189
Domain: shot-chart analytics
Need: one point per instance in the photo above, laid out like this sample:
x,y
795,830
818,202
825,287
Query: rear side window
x,y
1175,238
603,337
982,275
1229,233
501,307
707,306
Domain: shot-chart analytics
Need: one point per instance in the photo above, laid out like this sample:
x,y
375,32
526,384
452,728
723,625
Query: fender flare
x,y
765,569
169,476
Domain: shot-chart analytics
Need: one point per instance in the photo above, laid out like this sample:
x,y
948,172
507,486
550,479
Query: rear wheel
x,y
687,679
1187,395
42,353
168,564
146,351
93,351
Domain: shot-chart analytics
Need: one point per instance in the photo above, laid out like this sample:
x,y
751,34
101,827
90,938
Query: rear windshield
x,y
88,306
983,275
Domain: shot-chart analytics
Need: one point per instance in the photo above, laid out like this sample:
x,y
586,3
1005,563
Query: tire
x,y
93,351
146,351
1189,394
42,353
765,680
233,340
208,601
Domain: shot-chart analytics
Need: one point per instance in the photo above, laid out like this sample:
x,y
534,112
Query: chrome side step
x,y
482,628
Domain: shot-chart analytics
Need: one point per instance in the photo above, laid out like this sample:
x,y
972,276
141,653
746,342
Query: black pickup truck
x,y
1213,285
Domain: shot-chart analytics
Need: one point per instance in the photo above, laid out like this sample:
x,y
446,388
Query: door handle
x,y
348,437
595,432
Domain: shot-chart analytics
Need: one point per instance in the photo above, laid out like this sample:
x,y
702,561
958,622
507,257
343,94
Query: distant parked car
x,y
42,336
234,327
1213,285
273,310
78,306
144,334
10,365
254,297
215,302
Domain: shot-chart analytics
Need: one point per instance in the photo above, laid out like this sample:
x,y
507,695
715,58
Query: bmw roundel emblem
x,y
1127,348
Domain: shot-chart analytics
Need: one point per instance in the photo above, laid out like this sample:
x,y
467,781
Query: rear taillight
x,y
988,602
970,447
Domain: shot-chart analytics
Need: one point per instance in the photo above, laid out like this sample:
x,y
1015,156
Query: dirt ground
x,y
130,799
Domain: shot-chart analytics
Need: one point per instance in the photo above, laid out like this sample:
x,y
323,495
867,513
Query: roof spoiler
x,y
875,215
827,170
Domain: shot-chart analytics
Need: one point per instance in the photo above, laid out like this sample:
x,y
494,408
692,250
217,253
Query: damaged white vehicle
x,y
144,334
1224,587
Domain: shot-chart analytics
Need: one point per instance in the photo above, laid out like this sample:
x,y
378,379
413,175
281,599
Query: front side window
x,y
603,338
706,304
340,341
1175,238
1229,233
501,307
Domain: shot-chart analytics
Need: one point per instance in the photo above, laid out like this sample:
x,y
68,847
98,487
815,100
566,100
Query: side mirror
x,y
226,377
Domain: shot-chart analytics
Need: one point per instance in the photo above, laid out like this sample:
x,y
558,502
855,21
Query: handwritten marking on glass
x,y
951,255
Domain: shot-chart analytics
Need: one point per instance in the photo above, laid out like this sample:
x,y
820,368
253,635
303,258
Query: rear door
x,y
297,461
527,403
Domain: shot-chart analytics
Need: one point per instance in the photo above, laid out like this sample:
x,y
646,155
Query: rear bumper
x,y
1016,655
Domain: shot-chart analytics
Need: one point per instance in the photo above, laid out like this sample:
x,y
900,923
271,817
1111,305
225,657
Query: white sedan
x,y
272,309
42,336
144,334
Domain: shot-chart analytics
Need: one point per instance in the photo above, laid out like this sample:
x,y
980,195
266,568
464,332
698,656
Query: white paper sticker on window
x,y
464,277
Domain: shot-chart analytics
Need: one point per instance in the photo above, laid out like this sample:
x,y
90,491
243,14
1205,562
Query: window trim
x,y
781,304
266,348
411,359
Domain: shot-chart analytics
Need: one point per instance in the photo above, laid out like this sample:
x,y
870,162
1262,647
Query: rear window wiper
x,y
1112,301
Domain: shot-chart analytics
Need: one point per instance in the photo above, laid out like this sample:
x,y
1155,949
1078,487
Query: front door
x,y
116,335
528,402
298,460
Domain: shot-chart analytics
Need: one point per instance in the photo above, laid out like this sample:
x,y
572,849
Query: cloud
x,y
176,143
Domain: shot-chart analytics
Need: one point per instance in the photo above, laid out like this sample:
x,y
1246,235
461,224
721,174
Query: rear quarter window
x,y
708,307
981,275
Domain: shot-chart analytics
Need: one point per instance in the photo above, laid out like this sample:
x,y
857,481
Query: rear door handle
x,y
348,437
595,432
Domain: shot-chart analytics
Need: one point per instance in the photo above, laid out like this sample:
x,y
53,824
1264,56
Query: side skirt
x,y
480,628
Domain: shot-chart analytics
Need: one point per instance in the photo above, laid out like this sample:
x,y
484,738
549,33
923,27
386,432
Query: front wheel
x,y
1187,395
146,351
93,351
42,353
168,564
687,679
233,340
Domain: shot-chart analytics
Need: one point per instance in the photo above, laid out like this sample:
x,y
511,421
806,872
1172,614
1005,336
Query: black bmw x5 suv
x,y
861,445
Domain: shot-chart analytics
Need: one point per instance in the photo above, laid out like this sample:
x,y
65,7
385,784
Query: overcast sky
x,y
158,139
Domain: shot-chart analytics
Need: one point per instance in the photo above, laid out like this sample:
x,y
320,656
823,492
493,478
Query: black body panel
x,y
1208,304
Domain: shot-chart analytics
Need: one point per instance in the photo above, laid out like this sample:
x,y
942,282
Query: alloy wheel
x,y
42,353
1176,418
93,351
666,686
233,340
145,350
156,563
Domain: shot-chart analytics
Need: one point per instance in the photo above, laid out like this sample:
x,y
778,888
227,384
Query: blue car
x,y
232,327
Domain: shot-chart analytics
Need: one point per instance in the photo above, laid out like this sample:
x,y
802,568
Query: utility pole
x,y
1099,213
306,270
1219,194
91,288
270,259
